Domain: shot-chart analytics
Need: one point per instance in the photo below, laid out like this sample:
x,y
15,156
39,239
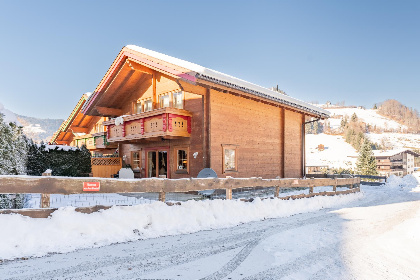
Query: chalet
x,y
167,117
397,162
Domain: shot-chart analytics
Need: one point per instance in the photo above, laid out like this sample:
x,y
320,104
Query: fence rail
x,y
60,185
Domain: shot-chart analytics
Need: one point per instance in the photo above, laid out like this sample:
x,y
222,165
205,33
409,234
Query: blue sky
x,y
360,52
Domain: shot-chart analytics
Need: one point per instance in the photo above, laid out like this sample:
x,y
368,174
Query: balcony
x,y
94,142
169,123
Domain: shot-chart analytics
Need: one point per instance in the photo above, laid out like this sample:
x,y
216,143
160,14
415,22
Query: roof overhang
x,y
133,65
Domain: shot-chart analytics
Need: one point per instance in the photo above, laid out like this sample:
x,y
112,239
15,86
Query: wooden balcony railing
x,y
165,122
94,141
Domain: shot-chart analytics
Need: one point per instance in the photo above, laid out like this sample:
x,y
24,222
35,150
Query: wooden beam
x,y
109,112
283,138
138,67
154,99
79,129
206,128
63,185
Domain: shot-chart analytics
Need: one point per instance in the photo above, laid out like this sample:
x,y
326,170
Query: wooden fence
x,y
372,180
105,167
55,185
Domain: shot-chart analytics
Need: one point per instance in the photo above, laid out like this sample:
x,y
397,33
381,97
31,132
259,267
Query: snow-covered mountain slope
x,y
39,129
35,128
369,116
396,140
336,151
8,116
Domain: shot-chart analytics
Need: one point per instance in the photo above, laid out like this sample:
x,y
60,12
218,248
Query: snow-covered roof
x,y
210,75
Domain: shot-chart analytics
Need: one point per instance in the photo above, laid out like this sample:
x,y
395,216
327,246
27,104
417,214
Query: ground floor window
x,y
230,158
135,160
181,160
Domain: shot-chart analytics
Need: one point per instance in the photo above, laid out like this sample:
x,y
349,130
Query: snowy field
x,y
369,116
336,154
397,140
370,235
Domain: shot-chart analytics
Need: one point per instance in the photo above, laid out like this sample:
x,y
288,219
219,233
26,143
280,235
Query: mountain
x,y
35,128
39,129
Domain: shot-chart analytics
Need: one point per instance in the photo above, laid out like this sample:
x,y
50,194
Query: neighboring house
x,y
316,169
397,162
80,129
172,118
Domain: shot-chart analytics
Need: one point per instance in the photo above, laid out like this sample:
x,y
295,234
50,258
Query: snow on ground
x,y
369,116
398,140
336,154
67,230
372,235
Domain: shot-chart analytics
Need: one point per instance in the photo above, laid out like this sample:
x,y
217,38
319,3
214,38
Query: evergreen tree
x,y
366,162
354,117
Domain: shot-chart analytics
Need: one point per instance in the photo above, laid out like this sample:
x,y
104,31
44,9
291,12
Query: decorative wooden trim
x,y
170,122
165,122
142,126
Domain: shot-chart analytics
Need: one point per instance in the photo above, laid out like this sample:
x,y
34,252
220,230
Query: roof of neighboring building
x,y
192,72
390,153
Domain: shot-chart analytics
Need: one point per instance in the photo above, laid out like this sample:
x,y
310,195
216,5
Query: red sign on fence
x,y
91,186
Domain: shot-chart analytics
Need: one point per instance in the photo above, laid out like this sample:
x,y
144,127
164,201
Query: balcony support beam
x,y
109,112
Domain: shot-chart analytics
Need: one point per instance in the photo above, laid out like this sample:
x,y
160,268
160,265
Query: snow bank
x,y
407,182
67,230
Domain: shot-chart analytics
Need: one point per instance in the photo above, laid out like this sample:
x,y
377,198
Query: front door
x,y
157,163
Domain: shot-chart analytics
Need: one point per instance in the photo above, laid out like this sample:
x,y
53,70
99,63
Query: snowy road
x,y
377,237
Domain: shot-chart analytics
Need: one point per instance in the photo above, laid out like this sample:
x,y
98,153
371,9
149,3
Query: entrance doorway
x,y
157,163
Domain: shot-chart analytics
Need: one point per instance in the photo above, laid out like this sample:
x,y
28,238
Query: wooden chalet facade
x,y
172,118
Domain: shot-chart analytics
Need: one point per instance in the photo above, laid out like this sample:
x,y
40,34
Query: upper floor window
x,y
165,101
178,100
148,105
138,107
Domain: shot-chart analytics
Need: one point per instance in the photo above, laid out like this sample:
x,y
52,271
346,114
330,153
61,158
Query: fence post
x,y
162,196
228,193
335,186
45,198
276,194
311,189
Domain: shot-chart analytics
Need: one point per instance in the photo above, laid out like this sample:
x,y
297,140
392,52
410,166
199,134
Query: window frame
x,y
182,171
229,147
182,99
144,105
139,159
161,96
